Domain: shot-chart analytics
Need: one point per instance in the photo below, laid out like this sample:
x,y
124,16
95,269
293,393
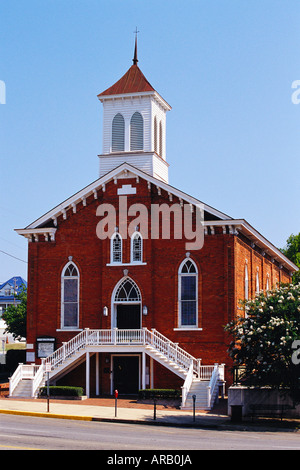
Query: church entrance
x,y
126,374
126,305
129,316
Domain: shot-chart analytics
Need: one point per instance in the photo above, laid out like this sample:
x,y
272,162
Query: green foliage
x,y
264,341
14,357
15,316
292,252
151,393
61,391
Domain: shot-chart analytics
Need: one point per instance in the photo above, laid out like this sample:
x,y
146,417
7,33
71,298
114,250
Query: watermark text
x,y
160,221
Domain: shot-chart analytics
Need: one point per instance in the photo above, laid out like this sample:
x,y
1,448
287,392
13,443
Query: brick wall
x,y
220,266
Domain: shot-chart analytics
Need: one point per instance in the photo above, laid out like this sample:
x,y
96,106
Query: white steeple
x,y
134,125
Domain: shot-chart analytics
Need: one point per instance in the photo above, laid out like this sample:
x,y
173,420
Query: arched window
x,y
127,291
155,135
246,283
70,297
116,248
118,134
126,305
136,248
188,294
136,132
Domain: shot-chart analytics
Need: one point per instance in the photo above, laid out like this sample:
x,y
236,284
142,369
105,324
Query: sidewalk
x,y
97,409
130,411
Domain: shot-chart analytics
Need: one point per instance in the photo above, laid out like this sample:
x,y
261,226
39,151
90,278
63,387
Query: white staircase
x,y
204,399
23,389
201,381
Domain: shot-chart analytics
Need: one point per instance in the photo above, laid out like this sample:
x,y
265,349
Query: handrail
x,y
187,385
37,379
23,371
212,384
15,379
172,351
125,336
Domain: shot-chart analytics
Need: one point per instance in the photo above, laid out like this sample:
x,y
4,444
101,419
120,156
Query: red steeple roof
x,y
133,81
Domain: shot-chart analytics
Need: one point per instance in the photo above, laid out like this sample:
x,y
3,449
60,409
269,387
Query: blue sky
x,y
225,67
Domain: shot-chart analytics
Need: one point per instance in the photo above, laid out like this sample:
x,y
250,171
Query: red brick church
x,y
116,301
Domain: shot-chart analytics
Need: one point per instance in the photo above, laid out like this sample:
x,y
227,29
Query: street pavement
x,y
131,411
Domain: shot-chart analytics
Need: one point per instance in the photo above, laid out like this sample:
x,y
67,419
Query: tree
x,y
15,316
292,251
267,341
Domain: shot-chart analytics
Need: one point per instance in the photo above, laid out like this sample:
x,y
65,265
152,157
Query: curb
x,y
39,414
107,420
225,426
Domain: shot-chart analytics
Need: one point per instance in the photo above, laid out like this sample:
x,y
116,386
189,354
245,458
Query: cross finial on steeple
x,y
135,59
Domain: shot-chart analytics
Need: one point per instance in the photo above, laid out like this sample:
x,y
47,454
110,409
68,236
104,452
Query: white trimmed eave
x,y
153,94
259,240
48,233
99,184
34,230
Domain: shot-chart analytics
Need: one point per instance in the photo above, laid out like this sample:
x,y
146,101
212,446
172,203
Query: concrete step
x,y
23,389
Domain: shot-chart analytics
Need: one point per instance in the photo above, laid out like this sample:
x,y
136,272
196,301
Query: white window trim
x,y
112,262
131,248
180,275
188,328
73,327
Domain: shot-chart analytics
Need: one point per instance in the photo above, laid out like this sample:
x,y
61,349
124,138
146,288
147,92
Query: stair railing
x,y
67,349
87,337
119,336
214,380
187,385
172,351
15,379
23,371
37,380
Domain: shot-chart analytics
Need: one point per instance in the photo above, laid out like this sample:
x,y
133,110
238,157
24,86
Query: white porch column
x,y
151,372
97,374
87,374
143,370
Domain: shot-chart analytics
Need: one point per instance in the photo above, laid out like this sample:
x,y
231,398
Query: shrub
x,y
264,342
61,391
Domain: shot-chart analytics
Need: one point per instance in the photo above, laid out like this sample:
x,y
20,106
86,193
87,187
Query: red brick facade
x,y
220,264
133,162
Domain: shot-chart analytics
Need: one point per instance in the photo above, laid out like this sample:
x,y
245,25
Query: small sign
x,y
45,347
48,367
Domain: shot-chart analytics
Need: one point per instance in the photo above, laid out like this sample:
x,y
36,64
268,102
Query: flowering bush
x,y
265,339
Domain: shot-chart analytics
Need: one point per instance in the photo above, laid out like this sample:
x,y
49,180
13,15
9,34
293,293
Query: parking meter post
x,y
48,370
154,416
116,402
194,407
